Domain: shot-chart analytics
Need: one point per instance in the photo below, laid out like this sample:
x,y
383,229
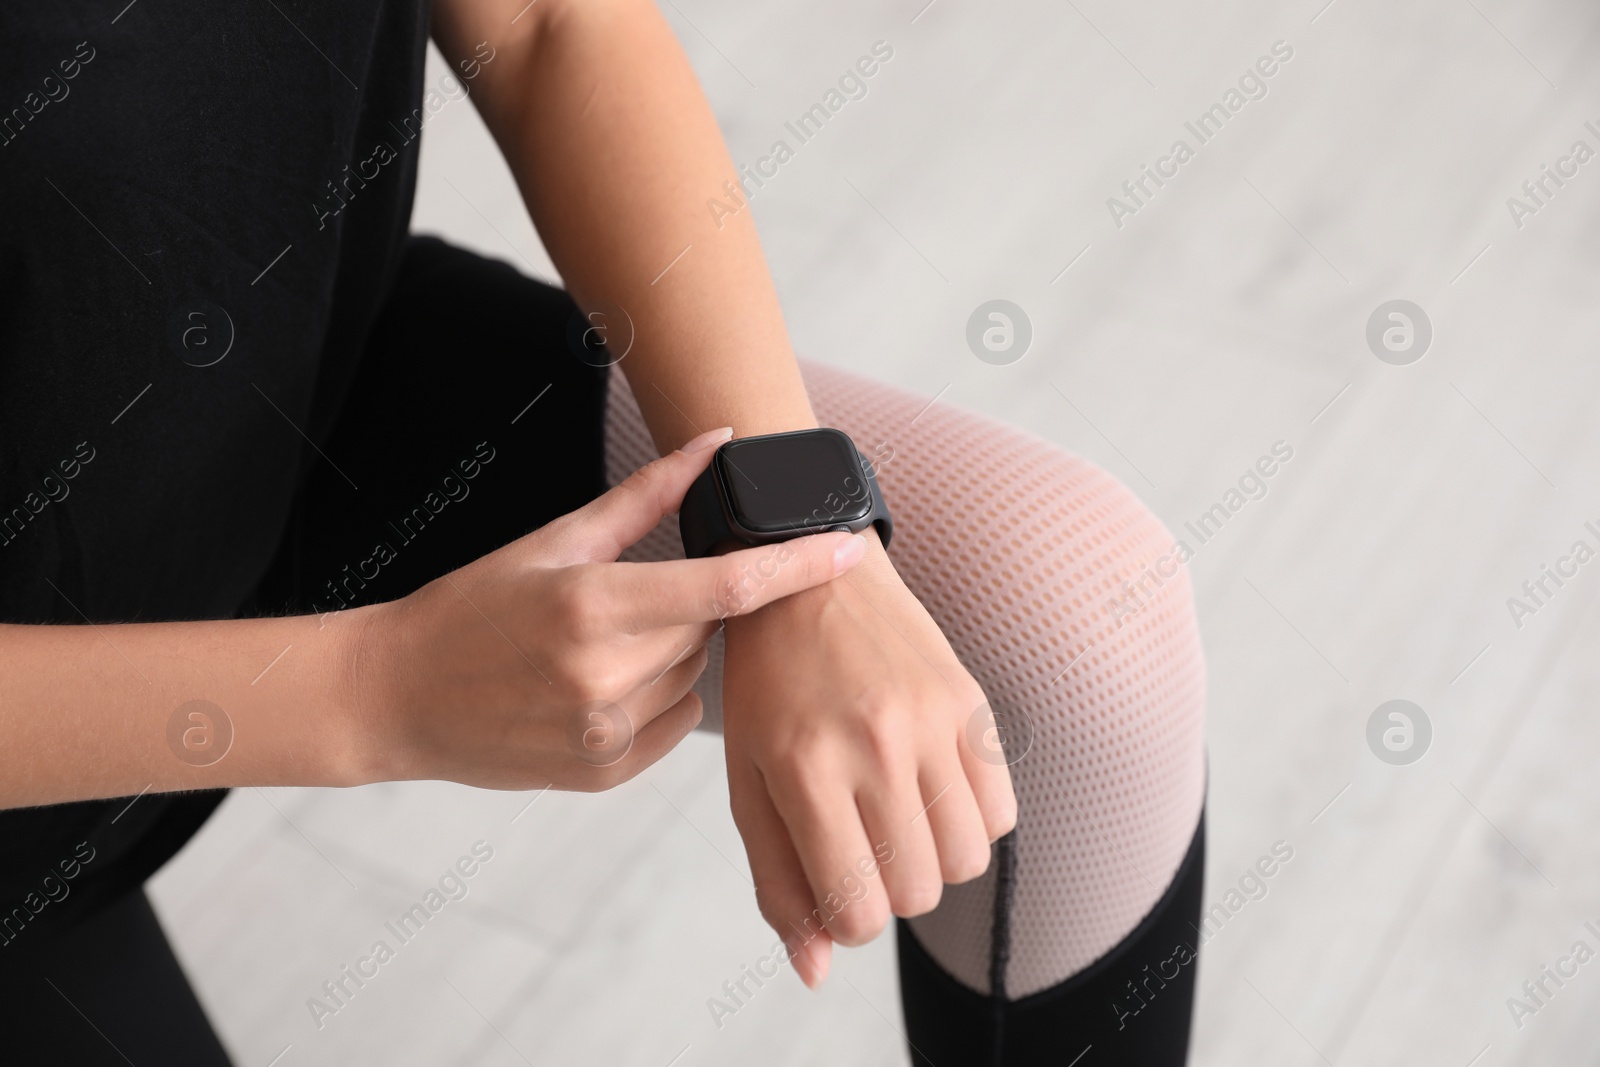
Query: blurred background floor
x,y
1227,313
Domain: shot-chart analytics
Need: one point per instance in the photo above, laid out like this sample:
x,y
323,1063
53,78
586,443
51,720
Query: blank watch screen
x,y
794,481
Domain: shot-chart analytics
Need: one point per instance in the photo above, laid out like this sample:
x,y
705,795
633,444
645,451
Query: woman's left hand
x,y
847,720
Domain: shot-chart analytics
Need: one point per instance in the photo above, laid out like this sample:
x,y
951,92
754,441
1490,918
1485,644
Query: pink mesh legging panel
x,y
1017,548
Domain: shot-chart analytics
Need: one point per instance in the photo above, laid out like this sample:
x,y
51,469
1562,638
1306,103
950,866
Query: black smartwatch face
x,y
794,481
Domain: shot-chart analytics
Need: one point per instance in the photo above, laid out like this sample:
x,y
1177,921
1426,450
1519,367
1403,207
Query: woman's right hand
x,y
547,662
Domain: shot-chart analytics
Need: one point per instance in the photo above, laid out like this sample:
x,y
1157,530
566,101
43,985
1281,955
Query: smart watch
x,y
774,487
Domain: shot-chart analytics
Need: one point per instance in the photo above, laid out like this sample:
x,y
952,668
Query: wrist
x,y
874,571
875,567
357,697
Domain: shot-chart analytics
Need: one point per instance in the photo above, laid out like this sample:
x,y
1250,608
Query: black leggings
x,y
1131,1006
104,991
470,358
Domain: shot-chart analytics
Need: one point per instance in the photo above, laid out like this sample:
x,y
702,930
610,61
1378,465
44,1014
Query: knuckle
x,y
859,923
918,898
575,605
596,677
589,670
1004,819
737,587
650,481
881,733
1002,824
803,757
745,577
725,594
966,865
641,479
816,566
778,901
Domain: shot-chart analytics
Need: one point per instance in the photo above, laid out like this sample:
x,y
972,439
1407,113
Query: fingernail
x,y
709,439
821,955
804,965
849,554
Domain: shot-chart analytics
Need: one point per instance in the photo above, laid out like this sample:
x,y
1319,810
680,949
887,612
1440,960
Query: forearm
x,y
617,153
87,711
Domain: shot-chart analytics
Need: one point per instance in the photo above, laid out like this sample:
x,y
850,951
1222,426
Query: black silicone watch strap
x,y
702,521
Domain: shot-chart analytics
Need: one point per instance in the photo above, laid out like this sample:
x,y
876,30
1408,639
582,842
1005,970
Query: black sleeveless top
x,y
201,206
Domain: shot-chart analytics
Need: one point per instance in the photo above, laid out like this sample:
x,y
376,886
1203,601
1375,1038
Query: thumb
x,y
602,528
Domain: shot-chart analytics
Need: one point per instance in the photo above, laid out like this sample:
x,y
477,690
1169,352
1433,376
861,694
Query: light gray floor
x,y
1226,315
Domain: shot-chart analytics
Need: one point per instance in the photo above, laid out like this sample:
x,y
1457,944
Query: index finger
x,y
677,592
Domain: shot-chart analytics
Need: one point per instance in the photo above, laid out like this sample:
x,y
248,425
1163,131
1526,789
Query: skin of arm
x,y
616,152
845,707
84,710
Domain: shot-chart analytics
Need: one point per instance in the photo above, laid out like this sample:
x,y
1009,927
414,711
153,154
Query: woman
x,y
269,468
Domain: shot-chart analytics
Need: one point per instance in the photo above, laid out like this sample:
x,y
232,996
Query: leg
x,y
441,433
1058,590
105,991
